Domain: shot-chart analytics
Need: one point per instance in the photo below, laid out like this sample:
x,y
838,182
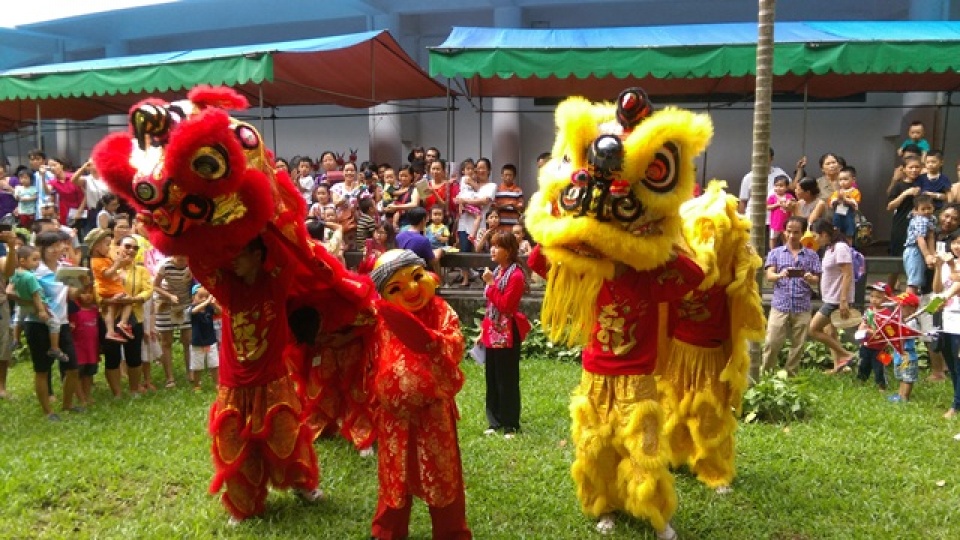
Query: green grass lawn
x,y
858,468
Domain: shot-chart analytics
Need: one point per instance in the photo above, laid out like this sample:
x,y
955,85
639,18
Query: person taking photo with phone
x,y
794,270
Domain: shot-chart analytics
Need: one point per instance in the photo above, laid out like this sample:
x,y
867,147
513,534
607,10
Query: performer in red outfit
x,y
416,380
207,188
258,436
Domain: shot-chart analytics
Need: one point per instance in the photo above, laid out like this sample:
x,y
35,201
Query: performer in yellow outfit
x,y
606,216
703,383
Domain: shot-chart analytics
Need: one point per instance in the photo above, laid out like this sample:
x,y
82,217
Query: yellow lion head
x,y
611,194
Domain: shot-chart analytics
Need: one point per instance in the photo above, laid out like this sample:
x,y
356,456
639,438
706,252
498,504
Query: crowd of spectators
x,y
925,207
139,301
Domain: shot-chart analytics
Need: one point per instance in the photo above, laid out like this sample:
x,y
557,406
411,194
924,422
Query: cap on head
x,y
881,286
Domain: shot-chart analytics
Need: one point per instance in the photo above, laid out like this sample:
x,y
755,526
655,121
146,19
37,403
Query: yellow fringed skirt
x,y
700,424
621,461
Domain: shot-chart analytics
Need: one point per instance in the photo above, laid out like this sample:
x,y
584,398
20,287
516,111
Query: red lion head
x,y
203,177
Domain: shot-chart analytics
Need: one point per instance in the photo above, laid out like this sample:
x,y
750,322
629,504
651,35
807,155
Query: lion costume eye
x,y
210,162
661,174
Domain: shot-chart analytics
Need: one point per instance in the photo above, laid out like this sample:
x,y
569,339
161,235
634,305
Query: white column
x,y
505,120
385,141
386,144
505,133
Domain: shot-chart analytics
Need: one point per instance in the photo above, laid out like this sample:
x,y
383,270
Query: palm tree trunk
x,y
761,143
761,125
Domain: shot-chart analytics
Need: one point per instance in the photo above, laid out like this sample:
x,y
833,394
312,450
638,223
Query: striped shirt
x,y
792,294
509,202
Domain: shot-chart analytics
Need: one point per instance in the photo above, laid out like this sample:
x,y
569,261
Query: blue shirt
x,y
203,333
940,184
919,227
417,243
792,294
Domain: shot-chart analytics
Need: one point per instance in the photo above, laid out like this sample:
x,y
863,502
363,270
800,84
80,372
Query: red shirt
x,y
69,196
256,325
702,318
625,337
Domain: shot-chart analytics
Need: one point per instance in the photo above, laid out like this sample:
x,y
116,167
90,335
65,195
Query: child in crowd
x,y
905,365
26,194
468,176
780,204
171,300
933,182
901,203
304,178
321,201
915,136
347,218
204,352
367,218
870,350
918,249
384,239
84,316
525,247
845,202
437,231
493,224
509,198
332,237
389,177
108,284
25,285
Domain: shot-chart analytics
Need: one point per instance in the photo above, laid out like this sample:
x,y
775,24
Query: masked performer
x,y
606,216
417,377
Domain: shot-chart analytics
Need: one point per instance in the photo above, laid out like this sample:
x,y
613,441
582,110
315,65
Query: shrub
x,y
778,398
538,345
535,345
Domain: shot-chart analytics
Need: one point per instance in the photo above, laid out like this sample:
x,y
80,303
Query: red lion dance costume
x,y
606,216
208,184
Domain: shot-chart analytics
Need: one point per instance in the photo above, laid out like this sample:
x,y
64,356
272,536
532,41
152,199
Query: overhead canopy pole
x,y
39,129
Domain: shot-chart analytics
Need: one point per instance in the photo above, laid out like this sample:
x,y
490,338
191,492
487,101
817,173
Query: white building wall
x,y
866,134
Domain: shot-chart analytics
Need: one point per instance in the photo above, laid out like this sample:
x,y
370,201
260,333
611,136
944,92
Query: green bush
x,y
536,345
778,398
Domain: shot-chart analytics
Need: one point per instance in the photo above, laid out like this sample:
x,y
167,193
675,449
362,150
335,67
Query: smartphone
x,y
795,272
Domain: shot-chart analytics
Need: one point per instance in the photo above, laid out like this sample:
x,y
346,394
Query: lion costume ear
x,y
112,159
218,96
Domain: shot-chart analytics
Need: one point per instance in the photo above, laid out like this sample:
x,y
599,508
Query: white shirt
x,y
487,191
951,310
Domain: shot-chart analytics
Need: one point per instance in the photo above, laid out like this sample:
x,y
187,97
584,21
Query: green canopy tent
x,y
819,59
355,70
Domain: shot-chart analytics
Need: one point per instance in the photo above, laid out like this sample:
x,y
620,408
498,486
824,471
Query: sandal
x,y
126,330
606,524
170,384
113,336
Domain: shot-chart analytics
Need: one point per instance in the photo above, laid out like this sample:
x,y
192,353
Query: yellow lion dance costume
x,y
607,220
702,384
